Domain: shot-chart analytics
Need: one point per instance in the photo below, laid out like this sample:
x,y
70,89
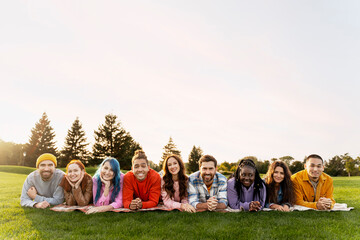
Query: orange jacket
x,y
148,190
304,191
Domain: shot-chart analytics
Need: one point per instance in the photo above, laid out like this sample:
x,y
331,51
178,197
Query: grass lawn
x,y
20,223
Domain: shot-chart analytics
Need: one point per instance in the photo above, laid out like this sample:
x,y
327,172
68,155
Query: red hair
x,y
78,162
65,184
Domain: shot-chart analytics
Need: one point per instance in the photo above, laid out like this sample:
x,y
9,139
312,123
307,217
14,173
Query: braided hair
x,y
258,182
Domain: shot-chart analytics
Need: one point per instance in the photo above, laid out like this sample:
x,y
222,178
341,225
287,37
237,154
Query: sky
x,y
237,78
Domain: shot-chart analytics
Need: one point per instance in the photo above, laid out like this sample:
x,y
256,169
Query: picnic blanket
x,y
337,207
66,208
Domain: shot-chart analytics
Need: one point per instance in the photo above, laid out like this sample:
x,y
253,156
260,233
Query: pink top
x,y
118,203
175,201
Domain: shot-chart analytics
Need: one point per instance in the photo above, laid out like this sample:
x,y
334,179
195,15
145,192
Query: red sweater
x,y
148,190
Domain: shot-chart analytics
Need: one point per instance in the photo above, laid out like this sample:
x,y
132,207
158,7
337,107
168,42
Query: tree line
x,y
111,139
339,165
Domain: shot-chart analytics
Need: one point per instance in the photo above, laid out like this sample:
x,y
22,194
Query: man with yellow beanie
x,y
41,188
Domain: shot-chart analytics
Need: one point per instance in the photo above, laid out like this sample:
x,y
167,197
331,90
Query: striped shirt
x,y
198,192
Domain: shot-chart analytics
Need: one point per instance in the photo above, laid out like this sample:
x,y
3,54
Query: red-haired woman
x,y
77,184
174,184
280,192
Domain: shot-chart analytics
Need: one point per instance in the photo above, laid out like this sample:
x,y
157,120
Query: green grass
x,y
19,223
16,169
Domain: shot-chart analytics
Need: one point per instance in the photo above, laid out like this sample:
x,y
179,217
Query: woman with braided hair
x,y
246,190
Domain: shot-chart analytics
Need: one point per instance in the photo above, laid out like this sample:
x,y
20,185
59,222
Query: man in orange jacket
x,y
142,185
313,188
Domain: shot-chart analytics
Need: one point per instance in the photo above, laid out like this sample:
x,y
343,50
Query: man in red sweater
x,y
142,185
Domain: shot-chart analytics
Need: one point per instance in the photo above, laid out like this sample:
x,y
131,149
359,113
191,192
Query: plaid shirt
x,y
198,192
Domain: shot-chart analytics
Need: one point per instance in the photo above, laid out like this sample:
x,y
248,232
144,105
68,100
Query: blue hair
x,y
115,166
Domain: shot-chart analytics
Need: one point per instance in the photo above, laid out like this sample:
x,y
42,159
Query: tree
x,y
262,166
41,141
111,139
169,149
350,165
233,168
225,167
75,145
296,166
335,166
154,166
194,158
11,153
287,159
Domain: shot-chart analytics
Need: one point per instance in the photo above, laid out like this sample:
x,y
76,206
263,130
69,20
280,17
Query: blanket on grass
x,y
337,207
66,208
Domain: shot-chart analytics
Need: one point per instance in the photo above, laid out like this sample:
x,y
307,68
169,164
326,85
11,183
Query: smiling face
x,y
278,175
247,176
314,168
207,172
106,172
74,172
46,169
140,169
173,166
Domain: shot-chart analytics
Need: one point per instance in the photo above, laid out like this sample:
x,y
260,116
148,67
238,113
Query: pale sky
x,y
237,78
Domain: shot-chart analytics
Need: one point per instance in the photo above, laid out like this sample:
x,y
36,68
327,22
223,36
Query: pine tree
x,y
75,145
169,149
41,141
111,139
194,157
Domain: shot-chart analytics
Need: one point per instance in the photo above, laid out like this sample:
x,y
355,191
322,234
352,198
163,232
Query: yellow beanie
x,y
44,157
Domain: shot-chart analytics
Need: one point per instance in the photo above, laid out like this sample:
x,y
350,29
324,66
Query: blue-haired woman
x,y
107,187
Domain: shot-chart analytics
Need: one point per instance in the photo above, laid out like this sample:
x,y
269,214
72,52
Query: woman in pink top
x,y
174,184
107,187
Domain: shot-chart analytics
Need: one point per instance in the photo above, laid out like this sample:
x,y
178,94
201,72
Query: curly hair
x,y
258,182
286,185
169,182
139,154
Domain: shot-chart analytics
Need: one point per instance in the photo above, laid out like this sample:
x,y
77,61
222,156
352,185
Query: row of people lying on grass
x,y
204,190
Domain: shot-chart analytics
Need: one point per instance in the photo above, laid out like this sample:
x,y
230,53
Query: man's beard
x,y
47,175
209,176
